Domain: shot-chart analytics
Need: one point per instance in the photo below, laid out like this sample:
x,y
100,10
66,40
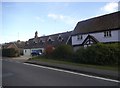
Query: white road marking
x,y
90,76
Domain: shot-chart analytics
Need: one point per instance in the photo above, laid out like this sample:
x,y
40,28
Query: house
x,y
9,45
40,43
103,29
18,45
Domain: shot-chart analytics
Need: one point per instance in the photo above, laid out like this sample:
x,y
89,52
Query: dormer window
x,y
79,37
41,42
50,39
60,38
35,42
107,34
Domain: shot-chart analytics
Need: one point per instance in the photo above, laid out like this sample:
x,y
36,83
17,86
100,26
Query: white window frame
x,y
79,37
107,34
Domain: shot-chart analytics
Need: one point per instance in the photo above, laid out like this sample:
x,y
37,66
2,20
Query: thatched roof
x,y
97,24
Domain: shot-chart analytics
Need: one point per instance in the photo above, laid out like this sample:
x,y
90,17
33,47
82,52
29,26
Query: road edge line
x,y
76,73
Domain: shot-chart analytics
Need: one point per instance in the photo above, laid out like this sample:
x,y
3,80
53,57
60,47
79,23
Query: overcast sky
x,y
20,20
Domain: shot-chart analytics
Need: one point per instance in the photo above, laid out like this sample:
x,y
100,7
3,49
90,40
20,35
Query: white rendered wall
x,y
99,36
27,52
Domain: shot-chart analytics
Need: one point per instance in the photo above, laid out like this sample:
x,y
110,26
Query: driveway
x,y
19,59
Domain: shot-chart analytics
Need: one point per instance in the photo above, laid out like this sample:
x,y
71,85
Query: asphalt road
x,y
20,74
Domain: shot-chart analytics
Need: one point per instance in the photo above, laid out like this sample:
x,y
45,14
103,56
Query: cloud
x,y
63,18
57,16
110,7
53,16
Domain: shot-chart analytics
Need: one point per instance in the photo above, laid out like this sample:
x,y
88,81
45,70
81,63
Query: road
x,y
16,73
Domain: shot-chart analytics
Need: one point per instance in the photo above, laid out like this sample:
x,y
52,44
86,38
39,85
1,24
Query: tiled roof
x,y
20,44
54,40
101,23
6,45
17,44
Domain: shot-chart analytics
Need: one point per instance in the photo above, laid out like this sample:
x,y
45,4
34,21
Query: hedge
x,y
100,54
10,52
63,52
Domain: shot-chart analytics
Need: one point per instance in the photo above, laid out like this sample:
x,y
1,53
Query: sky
x,y
20,20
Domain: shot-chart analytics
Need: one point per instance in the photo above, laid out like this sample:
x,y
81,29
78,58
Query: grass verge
x,y
50,60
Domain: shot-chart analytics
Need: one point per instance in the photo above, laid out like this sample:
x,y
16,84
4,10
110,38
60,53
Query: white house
x,y
104,29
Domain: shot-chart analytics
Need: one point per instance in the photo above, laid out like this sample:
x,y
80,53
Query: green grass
x,y
43,59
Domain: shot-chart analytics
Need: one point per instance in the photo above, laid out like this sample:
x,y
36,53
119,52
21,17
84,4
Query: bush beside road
x,y
98,54
10,52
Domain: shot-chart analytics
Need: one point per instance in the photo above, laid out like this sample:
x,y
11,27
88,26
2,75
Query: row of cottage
x,y
104,29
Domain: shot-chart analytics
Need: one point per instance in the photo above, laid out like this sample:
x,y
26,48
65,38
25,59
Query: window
x,y
79,37
41,42
50,39
60,38
107,34
110,33
35,42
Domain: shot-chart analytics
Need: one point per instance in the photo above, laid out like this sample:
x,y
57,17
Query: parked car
x,y
36,53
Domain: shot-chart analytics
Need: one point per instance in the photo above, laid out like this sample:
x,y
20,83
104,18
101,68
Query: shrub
x,y
63,52
100,54
10,52
49,50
